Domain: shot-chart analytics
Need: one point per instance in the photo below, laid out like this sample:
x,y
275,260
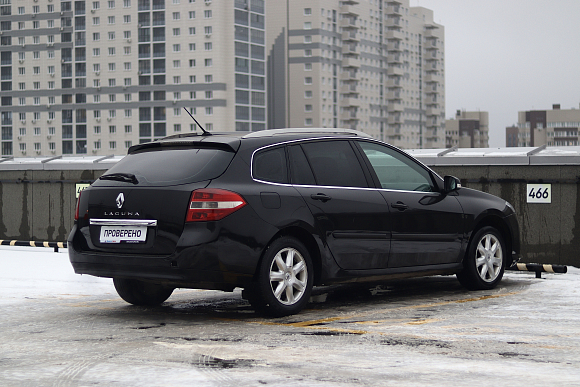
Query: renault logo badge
x,y
120,200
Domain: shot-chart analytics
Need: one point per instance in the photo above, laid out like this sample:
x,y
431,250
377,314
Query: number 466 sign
x,y
539,193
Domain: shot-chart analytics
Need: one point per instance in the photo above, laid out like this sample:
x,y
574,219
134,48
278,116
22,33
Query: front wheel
x,y
485,260
285,278
141,293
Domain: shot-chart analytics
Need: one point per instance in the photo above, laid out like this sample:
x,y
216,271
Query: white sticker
x,y
539,193
80,187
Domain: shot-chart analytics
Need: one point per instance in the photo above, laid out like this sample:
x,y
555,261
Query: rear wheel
x,y
141,293
285,279
485,260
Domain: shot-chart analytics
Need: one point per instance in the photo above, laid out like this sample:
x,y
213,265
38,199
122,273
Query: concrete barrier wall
x,y
39,204
550,233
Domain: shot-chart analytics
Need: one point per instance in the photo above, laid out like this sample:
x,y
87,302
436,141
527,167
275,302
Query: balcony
x,y
395,119
431,90
349,115
350,49
433,69
394,22
354,102
394,95
348,9
434,123
395,71
351,62
349,88
431,32
394,9
432,112
396,107
432,78
349,23
394,46
431,100
394,59
350,36
431,55
394,83
348,76
395,35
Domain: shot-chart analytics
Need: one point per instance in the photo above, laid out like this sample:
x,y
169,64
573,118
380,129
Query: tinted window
x,y
334,164
172,166
270,165
301,172
395,170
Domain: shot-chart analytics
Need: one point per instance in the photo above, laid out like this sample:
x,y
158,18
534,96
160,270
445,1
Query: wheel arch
x,y
500,225
309,242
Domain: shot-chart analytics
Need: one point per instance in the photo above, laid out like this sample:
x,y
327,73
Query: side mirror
x,y
451,183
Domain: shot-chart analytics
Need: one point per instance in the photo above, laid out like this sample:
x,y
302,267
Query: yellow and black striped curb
x,y
55,245
539,268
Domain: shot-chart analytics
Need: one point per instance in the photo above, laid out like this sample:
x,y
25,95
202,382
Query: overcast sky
x,y
505,56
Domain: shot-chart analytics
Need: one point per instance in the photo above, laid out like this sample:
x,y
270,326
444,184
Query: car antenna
x,y
205,132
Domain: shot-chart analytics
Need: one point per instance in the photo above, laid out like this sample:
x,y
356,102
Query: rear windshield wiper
x,y
125,177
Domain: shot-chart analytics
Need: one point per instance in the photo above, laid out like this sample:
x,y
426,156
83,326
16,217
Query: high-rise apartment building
x,y
371,65
467,130
556,127
95,77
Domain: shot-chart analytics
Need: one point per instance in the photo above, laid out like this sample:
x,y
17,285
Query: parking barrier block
x,y
539,268
55,245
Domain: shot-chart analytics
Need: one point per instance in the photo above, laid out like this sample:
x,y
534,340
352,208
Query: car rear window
x,y
171,166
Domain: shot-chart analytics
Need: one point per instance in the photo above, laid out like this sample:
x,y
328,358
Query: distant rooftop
x,y
569,155
499,156
58,162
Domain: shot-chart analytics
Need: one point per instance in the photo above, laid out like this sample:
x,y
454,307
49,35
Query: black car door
x,y
351,217
426,225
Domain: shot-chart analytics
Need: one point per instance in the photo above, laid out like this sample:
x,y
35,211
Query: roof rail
x,y
276,132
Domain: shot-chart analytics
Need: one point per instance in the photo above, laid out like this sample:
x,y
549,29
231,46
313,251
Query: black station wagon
x,y
277,212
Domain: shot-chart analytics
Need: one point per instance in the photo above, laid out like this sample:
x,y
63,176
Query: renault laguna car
x,y
277,212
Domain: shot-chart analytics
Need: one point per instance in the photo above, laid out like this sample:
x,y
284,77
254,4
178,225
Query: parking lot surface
x,y
62,329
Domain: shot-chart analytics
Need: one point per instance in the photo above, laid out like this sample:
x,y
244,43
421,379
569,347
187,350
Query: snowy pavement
x,y
62,329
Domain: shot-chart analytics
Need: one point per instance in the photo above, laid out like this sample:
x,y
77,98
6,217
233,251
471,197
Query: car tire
x,y
141,293
285,279
485,260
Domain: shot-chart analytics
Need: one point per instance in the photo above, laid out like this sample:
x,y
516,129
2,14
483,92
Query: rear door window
x,y
334,163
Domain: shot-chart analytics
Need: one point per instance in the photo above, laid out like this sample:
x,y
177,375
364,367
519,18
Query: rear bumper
x,y
220,263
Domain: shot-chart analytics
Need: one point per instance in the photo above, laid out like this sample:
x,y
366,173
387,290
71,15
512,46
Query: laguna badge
x,y
120,200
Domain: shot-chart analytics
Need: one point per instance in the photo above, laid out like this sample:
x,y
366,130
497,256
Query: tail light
x,y
78,205
212,204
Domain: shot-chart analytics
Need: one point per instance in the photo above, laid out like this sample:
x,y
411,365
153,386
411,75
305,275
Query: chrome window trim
x,y
290,142
123,222
283,143
339,187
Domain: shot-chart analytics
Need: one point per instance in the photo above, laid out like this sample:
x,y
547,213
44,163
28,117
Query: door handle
x,y
320,196
400,206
